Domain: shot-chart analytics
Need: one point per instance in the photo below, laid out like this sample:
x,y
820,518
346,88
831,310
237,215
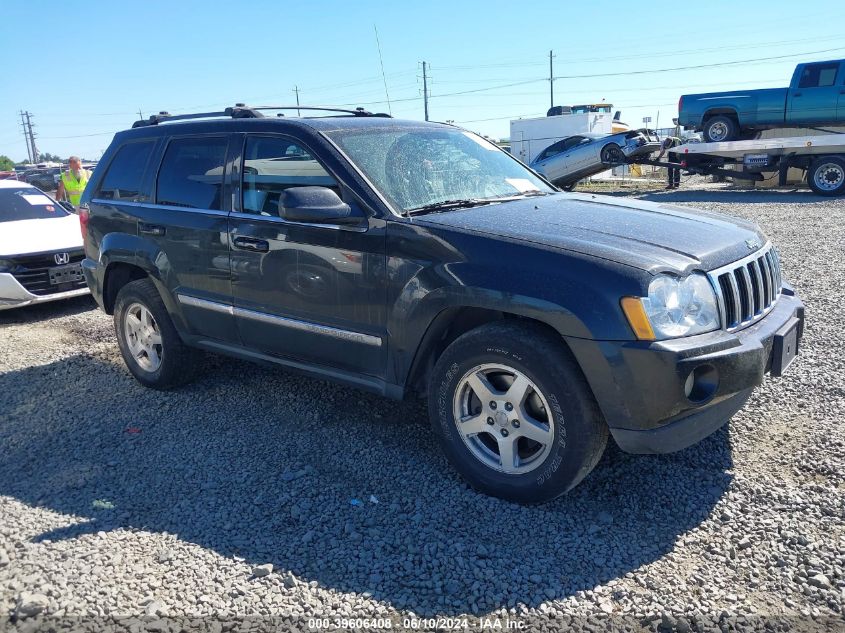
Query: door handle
x,y
251,244
151,229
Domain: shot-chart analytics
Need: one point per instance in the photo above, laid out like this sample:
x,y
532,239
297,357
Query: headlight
x,y
674,307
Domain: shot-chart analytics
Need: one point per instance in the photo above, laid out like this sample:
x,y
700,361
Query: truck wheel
x,y
826,176
514,414
611,154
148,342
720,128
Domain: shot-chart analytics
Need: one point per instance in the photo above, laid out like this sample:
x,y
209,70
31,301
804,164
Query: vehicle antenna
x,y
384,78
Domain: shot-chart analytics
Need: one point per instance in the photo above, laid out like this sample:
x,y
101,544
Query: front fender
x,y
582,302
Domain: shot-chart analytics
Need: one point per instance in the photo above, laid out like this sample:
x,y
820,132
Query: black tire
x,y
579,433
611,154
826,176
720,128
178,362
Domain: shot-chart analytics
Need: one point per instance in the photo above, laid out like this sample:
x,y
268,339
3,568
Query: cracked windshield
x,y
423,167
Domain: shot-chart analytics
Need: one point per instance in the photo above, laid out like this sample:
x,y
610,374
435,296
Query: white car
x,y
40,248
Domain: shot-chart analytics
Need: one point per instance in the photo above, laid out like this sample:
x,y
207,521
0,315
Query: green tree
x,y
6,163
48,157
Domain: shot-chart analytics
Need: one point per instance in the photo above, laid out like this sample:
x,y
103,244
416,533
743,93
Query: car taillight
x,y
84,215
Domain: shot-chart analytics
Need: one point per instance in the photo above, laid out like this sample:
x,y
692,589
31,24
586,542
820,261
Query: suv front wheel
x,y
514,414
149,343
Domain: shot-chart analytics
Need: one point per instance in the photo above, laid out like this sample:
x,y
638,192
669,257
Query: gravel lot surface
x,y
233,497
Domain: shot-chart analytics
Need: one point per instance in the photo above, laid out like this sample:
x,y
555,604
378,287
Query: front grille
x,y
32,272
748,289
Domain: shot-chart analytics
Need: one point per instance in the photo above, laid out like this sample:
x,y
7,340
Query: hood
x,y
650,236
39,236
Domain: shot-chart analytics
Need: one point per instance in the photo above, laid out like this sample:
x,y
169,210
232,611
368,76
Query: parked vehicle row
x,y
412,258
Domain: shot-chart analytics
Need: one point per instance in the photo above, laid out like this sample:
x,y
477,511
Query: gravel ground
x,y
233,498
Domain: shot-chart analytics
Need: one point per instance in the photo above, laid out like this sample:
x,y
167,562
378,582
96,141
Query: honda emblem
x,y
61,258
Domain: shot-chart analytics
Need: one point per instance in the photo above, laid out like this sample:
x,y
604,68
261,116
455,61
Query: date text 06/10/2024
x,y
415,624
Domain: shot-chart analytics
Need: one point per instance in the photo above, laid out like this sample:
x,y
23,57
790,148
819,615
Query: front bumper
x,y
641,387
14,295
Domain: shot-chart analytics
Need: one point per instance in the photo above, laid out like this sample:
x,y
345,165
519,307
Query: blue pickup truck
x,y
815,96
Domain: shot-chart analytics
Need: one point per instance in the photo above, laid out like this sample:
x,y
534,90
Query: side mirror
x,y
67,206
316,205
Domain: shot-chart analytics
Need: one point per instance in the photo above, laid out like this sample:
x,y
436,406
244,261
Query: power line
x,y
699,66
662,53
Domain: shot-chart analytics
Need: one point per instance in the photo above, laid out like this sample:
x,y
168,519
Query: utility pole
x,y
32,138
140,114
26,138
551,80
296,90
425,91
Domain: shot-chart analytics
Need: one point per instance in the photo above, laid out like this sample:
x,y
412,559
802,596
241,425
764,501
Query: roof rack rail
x,y
241,111
356,112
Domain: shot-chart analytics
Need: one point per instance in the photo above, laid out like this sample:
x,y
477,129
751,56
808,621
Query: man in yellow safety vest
x,y
73,181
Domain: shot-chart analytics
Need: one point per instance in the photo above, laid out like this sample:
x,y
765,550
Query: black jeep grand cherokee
x,y
417,258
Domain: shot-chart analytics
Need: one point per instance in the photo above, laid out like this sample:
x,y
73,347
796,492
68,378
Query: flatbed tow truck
x,y
821,157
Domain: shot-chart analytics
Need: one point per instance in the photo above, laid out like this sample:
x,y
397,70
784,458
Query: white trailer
x,y
529,137
821,157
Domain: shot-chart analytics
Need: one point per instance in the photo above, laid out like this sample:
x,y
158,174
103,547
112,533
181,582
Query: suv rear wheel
x,y
149,343
514,414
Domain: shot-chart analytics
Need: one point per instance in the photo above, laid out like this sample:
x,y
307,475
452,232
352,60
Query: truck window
x,y
125,173
819,75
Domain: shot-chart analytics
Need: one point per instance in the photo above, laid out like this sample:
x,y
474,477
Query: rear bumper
x,y
641,387
14,295
94,278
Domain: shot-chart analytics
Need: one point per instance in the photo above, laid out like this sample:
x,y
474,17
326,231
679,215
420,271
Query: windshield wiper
x,y
465,203
445,205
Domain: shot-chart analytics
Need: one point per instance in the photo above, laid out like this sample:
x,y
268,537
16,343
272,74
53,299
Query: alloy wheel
x,y
503,418
143,337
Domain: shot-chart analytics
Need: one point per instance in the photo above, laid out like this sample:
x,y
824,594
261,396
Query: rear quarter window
x,y
124,178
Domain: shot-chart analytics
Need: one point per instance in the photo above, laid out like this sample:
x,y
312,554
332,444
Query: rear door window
x,y
191,173
125,175
819,75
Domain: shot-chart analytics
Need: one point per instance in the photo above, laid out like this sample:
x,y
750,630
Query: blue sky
x,y
85,69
